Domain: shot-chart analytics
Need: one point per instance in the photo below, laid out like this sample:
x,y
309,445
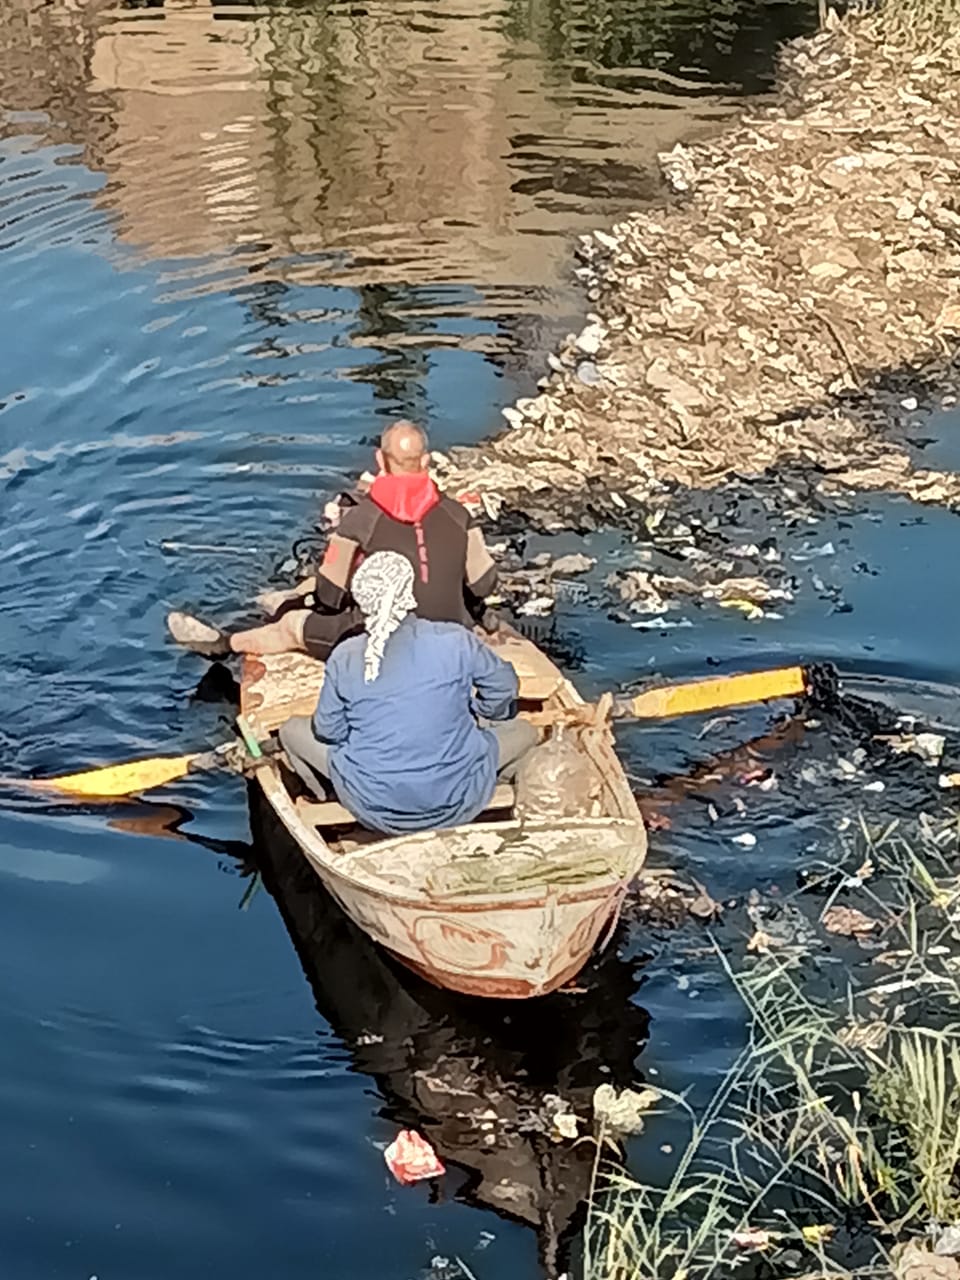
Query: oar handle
x,y
249,738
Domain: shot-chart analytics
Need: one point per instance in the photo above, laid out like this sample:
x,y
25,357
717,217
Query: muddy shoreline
x,y
785,319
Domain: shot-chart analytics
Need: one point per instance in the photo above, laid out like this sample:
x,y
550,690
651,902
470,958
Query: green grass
x,y
837,1110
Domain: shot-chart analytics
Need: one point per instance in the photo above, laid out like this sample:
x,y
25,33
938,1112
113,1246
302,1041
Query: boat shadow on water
x,y
480,1079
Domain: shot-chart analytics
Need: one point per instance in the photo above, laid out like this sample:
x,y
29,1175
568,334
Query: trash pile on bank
x,y
788,309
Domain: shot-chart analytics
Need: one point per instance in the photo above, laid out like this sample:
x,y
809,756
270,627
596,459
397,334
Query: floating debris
x,y
864,1035
816,553
848,922
818,1233
572,564
914,1261
660,624
410,1158
761,943
649,592
537,606
557,1118
754,1238
928,746
566,1124
623,1112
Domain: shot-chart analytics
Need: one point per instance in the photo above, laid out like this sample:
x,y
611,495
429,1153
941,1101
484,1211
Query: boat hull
x,y
509,950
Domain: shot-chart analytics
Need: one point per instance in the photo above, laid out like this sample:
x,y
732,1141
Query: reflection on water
x,y
477,1078
389,142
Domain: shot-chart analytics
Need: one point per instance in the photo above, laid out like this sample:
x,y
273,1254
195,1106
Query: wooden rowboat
x,y
500,907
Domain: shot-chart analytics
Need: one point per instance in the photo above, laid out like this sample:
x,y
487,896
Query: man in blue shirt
x,y
396,727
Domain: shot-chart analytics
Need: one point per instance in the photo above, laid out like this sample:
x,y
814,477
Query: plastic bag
x,y
556,780
410,1158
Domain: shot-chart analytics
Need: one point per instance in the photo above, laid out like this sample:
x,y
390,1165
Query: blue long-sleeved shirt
x,y
407,753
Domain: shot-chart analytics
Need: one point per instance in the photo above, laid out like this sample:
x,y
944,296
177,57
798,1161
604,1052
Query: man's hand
x,y
333,510
493,630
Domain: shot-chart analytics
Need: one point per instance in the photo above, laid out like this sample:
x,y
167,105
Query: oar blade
x,y
119,779
719,692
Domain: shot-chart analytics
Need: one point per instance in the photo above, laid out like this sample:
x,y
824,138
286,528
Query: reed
x,y
837,1111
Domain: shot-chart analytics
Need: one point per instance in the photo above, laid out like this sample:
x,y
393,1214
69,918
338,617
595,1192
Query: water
x,y
235,241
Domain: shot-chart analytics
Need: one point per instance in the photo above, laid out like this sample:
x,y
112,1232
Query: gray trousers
x,y
514,739
311,758
307,754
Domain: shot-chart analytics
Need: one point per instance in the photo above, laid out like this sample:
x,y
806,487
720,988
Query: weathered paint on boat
x,y
515,942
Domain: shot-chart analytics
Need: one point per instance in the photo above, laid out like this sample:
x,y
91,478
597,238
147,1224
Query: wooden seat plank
x,y
330,813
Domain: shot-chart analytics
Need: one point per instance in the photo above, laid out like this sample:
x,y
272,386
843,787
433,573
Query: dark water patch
x,y
934,436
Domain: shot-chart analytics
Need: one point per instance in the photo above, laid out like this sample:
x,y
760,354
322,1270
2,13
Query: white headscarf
x,y
383,589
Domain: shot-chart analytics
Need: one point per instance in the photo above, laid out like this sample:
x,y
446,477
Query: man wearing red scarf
x,y
402,511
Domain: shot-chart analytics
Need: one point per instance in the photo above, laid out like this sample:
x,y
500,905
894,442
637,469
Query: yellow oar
x,y
119,779
713,695
115,780
687,698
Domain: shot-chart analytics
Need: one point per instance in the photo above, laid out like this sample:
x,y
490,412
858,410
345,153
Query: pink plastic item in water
x,y
411,1158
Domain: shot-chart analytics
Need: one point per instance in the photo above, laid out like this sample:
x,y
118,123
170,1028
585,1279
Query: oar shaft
x,y
652,704
717,693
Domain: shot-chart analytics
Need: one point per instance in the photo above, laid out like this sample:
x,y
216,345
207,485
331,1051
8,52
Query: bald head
x,y
403,448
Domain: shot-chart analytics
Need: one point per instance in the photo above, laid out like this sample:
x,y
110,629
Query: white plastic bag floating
x,y
556,780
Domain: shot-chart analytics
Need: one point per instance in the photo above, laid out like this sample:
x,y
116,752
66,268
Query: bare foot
x,y
198,636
